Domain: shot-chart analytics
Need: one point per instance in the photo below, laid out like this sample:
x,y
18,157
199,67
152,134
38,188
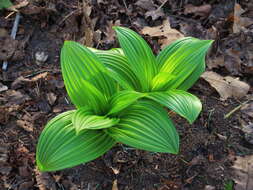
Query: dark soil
x,y
36,93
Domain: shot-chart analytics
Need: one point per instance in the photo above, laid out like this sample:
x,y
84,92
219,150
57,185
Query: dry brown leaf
x,y
146,4
115,185
240,22
155,14
243,172
226,86
16,97
26,125
203,10
215,62
8,46
21,4
88,25
169,35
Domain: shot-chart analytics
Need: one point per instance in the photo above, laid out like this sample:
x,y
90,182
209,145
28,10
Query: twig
x,y
13,35
162,5
127,12
236,109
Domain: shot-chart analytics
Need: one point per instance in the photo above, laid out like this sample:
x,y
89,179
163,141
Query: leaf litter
x,y
29,98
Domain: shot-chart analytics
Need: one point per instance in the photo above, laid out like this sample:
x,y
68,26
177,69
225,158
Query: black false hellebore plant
x,y
119,96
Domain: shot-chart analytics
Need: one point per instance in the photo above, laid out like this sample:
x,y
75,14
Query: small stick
x,y
235,109
13,35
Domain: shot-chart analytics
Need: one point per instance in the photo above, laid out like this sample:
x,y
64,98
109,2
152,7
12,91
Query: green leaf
x,y
83,118
59,146
146,126
123,99
118,67
185,59
5,4
161,81
86,79
181,102
117,50
139,55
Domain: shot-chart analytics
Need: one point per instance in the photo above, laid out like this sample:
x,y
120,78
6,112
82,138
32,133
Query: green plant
x,y
119,97
5,4
229,185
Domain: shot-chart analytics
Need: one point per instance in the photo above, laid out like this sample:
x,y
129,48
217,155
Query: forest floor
x,y
215,151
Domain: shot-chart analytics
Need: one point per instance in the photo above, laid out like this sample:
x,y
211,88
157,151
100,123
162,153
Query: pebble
x,y
209,187
3,87
41,57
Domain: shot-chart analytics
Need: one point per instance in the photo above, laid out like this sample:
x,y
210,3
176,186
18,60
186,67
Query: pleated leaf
x,y
123,99
181,102
185,59
119,68
161,81
86,79
146,126
60,147
83,119
139,55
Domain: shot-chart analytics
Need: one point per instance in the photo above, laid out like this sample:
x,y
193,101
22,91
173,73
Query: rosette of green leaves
x,y
119,97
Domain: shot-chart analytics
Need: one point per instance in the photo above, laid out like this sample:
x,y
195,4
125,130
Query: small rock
x,y
3,87
248,133
209,187
41,57
51,97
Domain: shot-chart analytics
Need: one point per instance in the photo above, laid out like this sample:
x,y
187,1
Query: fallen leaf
x,y
155,14
146,4
7,47
237,51
18,82
19,5
3,32
16,97
233,61
31,9
240,23
26,125
243,172
203,10
226,86
197,160
165,32
87,24
115,185
215,62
